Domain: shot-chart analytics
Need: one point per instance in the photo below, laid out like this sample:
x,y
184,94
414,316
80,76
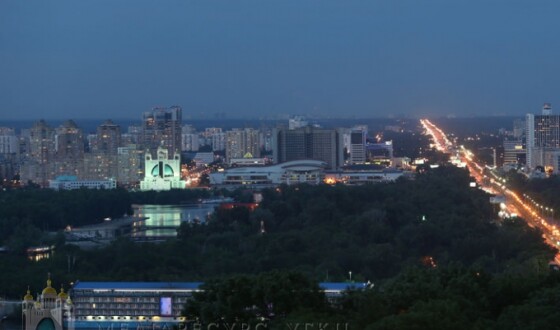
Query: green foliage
x,y
428,244
252,299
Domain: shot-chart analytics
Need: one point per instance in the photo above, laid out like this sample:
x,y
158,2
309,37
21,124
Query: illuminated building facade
x,y
161,127
148,305
240,142
70,182
51,311
294,172
358,145
514,151
162,172
543,139
41,151
129,165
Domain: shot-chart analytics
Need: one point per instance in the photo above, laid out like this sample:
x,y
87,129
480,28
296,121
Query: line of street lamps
x,y
549,210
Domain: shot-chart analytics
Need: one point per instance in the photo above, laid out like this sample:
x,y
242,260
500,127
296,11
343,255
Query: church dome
x,y
28,296
49,290
62,295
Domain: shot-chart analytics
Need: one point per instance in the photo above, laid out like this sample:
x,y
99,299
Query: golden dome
x,y
62,295
49,290
28,296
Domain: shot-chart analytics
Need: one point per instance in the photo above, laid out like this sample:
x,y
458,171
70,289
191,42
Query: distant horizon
x,y
252,59
256,118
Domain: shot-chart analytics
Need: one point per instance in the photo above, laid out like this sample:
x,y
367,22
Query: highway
x,y
515,203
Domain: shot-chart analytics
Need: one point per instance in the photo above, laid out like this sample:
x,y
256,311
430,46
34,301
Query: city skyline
x,y
253,59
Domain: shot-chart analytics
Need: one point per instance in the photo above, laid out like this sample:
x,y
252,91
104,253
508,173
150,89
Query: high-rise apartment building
x,y
543,138
161,127
101,162
190,140
40,154
240,142
129,165
308,143
69,145
108,138
9,143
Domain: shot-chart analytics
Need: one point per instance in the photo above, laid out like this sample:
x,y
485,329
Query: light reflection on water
x,y
163,220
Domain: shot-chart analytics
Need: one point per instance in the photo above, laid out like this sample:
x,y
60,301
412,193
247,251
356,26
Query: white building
x,y
162,173
293,172
218,141
70,182
50,310
190,142
297,122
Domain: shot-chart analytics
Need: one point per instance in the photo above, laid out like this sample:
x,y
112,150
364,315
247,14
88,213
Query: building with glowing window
x,y
162,127
149,305
543,140
162,172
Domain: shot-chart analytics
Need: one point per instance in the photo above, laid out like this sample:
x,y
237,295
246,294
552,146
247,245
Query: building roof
x,y
136,285
327,286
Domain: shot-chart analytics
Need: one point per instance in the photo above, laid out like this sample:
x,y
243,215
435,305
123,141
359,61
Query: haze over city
x,y
235,59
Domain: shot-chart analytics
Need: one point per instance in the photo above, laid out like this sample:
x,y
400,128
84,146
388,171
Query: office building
x,y
161,127
357,147
543,139
514,152
308,143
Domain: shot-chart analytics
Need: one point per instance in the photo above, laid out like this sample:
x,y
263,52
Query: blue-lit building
x,y
120,305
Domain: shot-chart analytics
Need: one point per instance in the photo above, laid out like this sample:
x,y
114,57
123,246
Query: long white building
x,y
293,172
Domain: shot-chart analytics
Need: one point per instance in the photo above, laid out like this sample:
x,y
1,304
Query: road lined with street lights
x,y
515,203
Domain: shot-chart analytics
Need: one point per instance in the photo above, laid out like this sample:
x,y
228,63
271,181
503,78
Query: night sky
x,y
116,59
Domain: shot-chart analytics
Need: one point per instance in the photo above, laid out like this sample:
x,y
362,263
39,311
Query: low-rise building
x,y
69,182
293,172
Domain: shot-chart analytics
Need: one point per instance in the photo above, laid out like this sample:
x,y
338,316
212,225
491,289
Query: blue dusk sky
x,y
117,58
